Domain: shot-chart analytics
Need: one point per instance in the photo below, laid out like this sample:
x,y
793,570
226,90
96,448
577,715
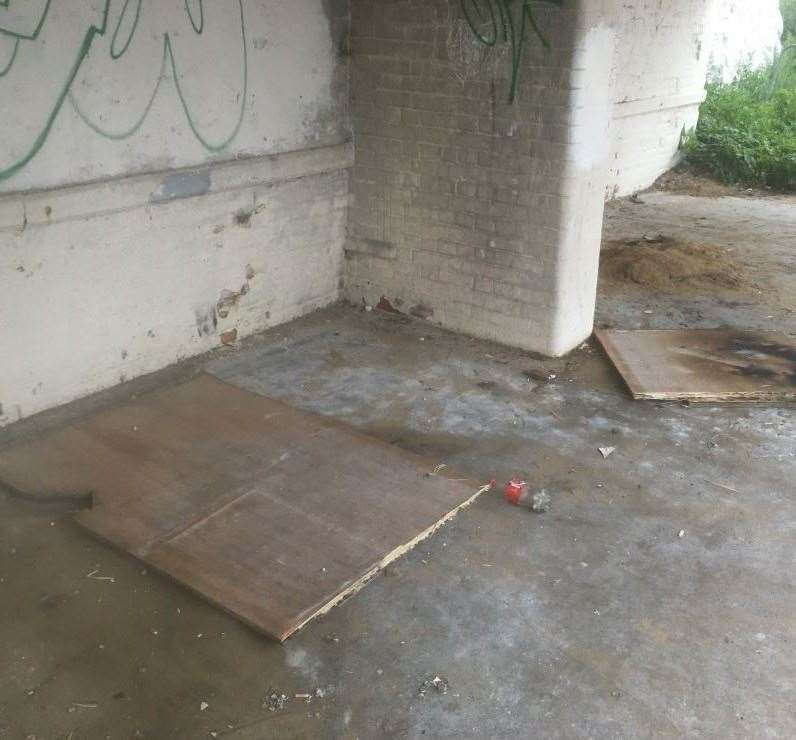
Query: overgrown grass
x,y
747,129
788,8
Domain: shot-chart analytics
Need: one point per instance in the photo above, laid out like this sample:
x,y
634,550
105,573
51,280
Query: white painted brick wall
x,y
659,79
468,209
101,285
664,51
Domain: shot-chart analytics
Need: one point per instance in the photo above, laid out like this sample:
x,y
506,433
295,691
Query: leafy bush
x,y
747,130
788,8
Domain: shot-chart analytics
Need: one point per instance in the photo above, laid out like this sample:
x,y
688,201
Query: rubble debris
x,y
276,701
540,502
722,485
385,305
516,492
539,374
203,706
607,451
94,576
438,683
318,693
421,311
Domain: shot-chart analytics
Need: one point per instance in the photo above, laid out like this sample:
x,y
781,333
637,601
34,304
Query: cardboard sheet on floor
x,y
704,364
271,513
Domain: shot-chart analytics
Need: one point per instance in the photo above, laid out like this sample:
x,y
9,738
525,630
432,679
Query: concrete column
x,y
480,169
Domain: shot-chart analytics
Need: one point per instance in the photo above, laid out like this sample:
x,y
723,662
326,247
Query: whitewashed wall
x,y
163,183
659,78
743,33
664,53
263,76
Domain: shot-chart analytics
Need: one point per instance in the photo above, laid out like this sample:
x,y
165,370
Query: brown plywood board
x,y
270,512
704,364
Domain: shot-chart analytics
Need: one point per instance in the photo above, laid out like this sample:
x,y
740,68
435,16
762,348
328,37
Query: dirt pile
x,y
667,264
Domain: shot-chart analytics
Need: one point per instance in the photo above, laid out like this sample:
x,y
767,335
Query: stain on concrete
x,y
243,217
181,185
206,321
421,311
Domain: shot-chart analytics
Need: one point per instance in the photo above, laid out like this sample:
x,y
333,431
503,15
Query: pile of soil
x,y
684,179
667,264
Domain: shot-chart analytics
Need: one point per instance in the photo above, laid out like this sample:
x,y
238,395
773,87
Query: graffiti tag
x,y
33,32
505,22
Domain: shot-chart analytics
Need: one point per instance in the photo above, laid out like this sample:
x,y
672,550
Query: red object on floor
x,y
514,490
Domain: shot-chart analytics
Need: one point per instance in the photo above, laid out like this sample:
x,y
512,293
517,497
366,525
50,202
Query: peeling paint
x,y
206,321
229,299
182,185
229,337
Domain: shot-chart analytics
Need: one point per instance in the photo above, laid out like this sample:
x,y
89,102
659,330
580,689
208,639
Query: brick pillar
x,y
476,212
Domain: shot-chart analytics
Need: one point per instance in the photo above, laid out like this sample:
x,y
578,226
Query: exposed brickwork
x,y
461,201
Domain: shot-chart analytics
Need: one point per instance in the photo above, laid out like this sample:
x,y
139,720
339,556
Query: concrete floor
x,y
593,620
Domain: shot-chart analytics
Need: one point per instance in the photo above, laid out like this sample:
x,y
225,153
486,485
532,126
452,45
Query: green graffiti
x,y
133,26
500,21
33,33
117,52
198,27
7,68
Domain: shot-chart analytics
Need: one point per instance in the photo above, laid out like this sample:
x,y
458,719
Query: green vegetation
x,y
788,8
747,129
